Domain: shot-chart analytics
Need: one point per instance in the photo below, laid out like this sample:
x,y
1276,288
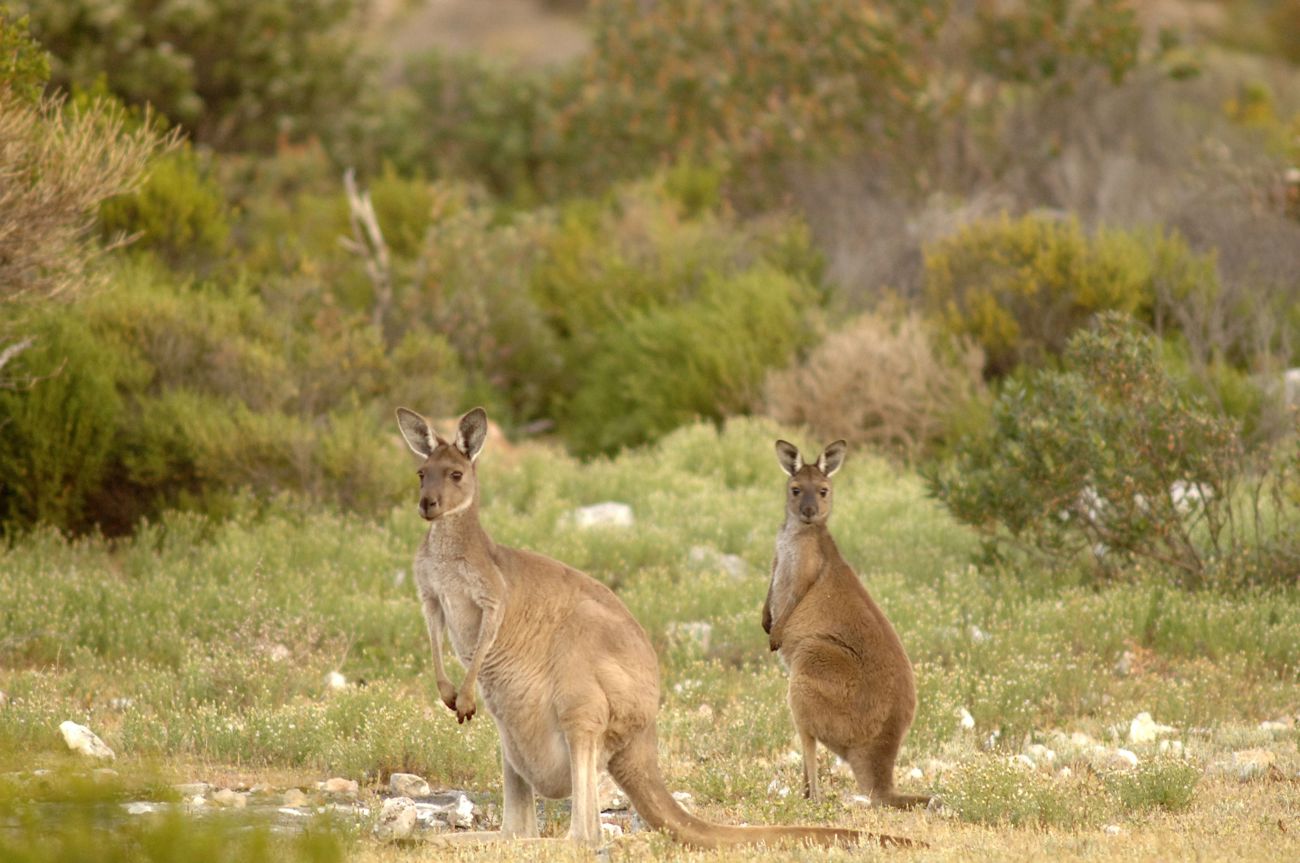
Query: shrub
x,y
177,213
235,73
1109,455
1021,287
701,359
24,65
880,381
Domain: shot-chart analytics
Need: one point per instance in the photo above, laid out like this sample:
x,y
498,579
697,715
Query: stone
x,y
1119,759
121,704
777,788
1041,754
1286,723
707,557
278,652
965,720
609,797
696,632
228,798
462,816
340,786
607,514
683,798
609,832
1144,729
397,820
141,807
1023,761
1065,772
860,800
979,636
192,789
408,785
1171,747
1124,665
294,797
336,681
1112,830
915,773
81,739
1247,764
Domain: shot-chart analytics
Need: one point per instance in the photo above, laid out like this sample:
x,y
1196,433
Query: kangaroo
x,y
851,685
567,674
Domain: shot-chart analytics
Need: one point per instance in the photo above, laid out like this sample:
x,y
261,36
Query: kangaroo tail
x,y
636,770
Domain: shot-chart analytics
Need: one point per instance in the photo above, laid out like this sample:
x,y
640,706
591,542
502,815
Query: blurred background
x,y
235,234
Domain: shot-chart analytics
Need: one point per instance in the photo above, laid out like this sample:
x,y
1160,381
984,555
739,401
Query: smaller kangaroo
x,y
851,685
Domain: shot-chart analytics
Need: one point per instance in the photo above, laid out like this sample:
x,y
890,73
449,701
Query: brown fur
x,y
851,685
567,674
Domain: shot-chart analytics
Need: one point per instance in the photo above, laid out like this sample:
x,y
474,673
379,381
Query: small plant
x,y
1108,456
1168,784
997,790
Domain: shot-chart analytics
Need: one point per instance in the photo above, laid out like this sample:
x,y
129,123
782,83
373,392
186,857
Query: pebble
x,y
966,721
609,832
1112,830
140,807
81,739
229,799
777,788
339,785
1144,729
192,789
609,797
607,514
408,785
707,557
336,681
294,797
397,820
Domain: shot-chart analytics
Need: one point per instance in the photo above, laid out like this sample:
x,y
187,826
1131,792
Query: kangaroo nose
x,y
428,505
808,511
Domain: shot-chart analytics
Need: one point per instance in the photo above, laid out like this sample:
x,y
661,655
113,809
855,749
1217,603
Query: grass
x,y
199,651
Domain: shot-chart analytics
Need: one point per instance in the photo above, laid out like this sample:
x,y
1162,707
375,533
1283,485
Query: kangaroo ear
x,y
788,455
416,431
471,432
831,460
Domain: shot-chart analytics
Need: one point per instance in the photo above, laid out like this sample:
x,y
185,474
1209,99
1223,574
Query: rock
x,y
965,720
860,800
121,704
607,514
609,797
294,797
1041,754
296,813
991,742
1171,747
141,807
1286,723
340,786
609,832
915,773
776,787
697,632
1118,759
979,636
462,817
278,652
196,802
192,789
707,557
1246,765
1124,665
1112,830
81,739
399,578
397,819
1144,729
229,799
408,785
684,798
336,681
1023,761
1065,772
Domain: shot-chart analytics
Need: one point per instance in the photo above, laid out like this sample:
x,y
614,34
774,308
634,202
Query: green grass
x,y
197,648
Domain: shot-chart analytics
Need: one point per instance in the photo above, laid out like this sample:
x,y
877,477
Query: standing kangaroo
x,y
851,685
566,672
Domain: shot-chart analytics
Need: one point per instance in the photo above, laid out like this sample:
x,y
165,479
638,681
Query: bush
x,y
24,65
178,213
881,381
1021,288
235,73
674,363
1109,456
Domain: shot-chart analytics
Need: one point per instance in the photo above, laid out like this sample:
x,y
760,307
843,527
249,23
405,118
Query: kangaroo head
x,y
808,493
448,481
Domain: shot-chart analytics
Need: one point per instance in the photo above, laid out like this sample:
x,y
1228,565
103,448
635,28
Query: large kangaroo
x,y
566,672
851,685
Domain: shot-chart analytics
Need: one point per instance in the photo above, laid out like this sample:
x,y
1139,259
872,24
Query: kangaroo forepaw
x,y
465,707
447,692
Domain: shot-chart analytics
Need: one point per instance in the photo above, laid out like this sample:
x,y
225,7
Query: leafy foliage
x,y
24,65
1108,455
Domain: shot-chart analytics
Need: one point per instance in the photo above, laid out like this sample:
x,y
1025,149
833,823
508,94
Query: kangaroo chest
x,y
798,563
449,576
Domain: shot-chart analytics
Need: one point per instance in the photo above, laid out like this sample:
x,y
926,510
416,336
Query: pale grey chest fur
x,y
441,571
785,574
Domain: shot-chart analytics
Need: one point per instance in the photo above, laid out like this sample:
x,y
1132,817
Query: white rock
x,y
229,799
607,514
81,739
707,557
463,815
1171,747
1249,764
294,798
1065,772
1120,759
1187,496
696,632
339,785
1041,753
297,813
196,802
278,652
915,773
190,789
777,788
396,820
408,785
684,798
121,704
609,797
610,832
1276,725
336,681
141,807
1023,761
1112,830
860,800
1144,729
978,635
399,578
966,721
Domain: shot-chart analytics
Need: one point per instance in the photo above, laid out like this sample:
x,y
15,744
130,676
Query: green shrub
x,y
1050,41
999,791
1168,784
1110,455
178,212
705,358
235,73
1021,287
24,65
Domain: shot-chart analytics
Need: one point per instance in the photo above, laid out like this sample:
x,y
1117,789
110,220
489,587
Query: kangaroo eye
x,y
456,475
794,492
420,473
824,492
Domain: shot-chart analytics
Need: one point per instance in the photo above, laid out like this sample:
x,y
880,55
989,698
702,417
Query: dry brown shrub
x,y
884,381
